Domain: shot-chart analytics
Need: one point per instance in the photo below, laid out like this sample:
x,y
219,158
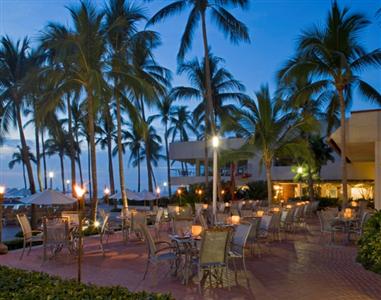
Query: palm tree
x,y
122,19
133,140
232,28
270,131
226,92
165,108
58,144
17,158
85,46
334,58
106,135
77,116
15,66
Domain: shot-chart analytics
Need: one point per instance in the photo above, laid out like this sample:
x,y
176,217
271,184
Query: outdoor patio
x,y
303,267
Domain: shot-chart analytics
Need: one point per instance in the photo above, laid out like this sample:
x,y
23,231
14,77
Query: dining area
x,y
245,250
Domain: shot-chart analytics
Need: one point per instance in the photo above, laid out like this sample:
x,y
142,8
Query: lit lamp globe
x,y
158,191
106,191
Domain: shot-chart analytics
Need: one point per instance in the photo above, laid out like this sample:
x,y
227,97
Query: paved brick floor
x,y
303,267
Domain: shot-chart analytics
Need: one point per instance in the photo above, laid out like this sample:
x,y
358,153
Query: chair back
x,y
182,226
72,217
325,219
254,230
56,230
221,206
214,246
221,218
198,208
365,218
203,222
138,218
25,225
275,221
240,236
290,215
159,215
148,239
246,213
105,223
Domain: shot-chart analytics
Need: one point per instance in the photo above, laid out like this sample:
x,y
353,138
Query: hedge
x,y
369,245
18,284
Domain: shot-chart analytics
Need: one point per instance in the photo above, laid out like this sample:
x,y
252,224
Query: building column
x,y
197,167
377,177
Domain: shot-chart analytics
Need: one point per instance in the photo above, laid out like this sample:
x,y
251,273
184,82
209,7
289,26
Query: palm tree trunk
x,y
89,168
168,162
79,159
206,163
149,170
343,148
93,155
311,192
153,176
71,146
62,173
24,175
38,156
139,172
209,99
110,165
44,159
120,150
25,154
269,183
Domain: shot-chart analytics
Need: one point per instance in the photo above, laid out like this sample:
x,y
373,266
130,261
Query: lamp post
x,y
106,192
51,175
215,144
3,247
68,186
157,195
79,193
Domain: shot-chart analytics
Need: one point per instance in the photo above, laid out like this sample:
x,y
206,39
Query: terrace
x,y
303,266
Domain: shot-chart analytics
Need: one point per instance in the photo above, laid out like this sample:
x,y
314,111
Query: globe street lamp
x,y
51,175
106,192
157,195
3,247
68,186
79,193
215,144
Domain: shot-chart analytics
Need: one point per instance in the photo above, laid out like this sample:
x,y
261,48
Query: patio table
x,y
186,247
347,225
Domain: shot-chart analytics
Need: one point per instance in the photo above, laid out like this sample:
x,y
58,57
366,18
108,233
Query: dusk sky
x,y
274,27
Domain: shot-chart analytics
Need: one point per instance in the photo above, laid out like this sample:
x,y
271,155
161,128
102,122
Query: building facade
x,y
364,163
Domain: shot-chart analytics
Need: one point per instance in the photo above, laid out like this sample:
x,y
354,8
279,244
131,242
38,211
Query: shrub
x,y
19,284
257,190
369,245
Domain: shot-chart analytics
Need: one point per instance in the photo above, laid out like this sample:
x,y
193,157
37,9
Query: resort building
x,y
363,156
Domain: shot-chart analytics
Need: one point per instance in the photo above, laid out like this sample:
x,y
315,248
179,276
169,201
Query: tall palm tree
x,y
122,22
180,123
226,91
15,66
133,141
334,58
106,134
17,158
270,131
85,46
165,110
231,27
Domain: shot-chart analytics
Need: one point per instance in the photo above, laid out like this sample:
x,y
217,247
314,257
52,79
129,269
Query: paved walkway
x,y
304,267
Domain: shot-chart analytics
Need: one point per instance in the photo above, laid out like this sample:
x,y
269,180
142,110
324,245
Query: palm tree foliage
x,y
333,57
269,131
18,158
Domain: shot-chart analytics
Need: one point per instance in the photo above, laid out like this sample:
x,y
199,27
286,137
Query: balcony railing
x,y
225,172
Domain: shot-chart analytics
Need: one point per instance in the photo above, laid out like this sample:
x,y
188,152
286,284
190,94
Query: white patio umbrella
x,y
148,196
130,196
49,197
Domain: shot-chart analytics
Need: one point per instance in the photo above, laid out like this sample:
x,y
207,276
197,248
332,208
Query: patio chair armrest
x,y
36,231
165,248
162,242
